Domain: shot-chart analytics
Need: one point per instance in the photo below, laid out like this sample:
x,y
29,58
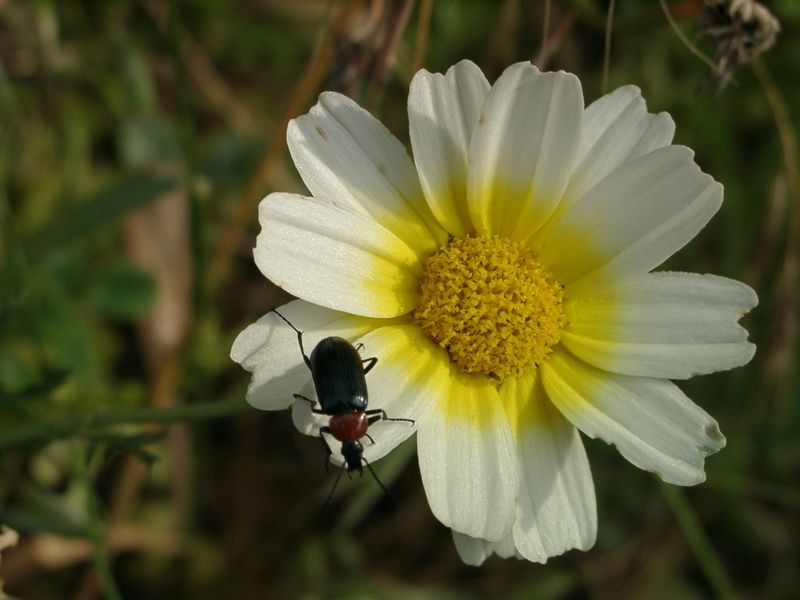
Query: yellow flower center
x,y
489,303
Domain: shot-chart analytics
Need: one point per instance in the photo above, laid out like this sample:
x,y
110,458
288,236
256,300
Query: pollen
x,y
489,303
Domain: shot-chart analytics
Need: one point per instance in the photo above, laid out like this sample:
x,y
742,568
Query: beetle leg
x,y
380,483
378,414
333,489
369,362
323,430
359,346
369,437
314,409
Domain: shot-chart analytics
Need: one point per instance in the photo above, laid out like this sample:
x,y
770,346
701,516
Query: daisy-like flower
x,y
503,280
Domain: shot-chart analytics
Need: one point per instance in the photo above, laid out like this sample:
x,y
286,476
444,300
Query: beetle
x,y
339,375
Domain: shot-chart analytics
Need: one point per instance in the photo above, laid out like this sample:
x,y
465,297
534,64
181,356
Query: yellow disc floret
x,y
489,303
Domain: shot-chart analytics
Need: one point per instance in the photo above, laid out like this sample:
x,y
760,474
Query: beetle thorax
x,y
349,426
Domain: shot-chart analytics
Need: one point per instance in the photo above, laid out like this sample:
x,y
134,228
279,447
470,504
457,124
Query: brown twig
x,y
555,40
787,136
545,26
689,45
503,41
398,15
50,552
767,245
783,334
315,72
204,75
423,30
607,46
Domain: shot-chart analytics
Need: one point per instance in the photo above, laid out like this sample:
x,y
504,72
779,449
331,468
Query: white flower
x,y
504,284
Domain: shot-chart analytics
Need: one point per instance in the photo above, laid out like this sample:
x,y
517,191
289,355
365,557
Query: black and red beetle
x,y
339,375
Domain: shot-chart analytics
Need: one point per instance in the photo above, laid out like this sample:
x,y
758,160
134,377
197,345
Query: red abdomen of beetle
x,y
349,426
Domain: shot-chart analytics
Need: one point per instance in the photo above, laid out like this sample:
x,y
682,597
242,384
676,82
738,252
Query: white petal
x,y
616,129
474,551
348,157
467,459
269,349
442,112
335,257
556,508
650,421
309,422
670,325
523,149
410,373
632,220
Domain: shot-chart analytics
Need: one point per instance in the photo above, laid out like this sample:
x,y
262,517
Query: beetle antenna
x,y
380,483
333,489
299,337
287,321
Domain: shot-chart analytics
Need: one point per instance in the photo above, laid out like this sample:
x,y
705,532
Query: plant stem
x,y
102,568
698,541
607,47
78,425
97,529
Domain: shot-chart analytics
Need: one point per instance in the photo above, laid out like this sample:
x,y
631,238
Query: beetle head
x,y
352,451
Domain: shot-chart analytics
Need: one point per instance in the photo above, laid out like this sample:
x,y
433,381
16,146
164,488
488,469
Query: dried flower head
x,y
740,30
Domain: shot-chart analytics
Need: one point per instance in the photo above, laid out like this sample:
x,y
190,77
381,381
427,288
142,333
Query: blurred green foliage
x,y
140,124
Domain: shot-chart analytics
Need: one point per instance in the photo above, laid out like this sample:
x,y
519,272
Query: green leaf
x,y
50,381
105,207
43,510
144,141
130,443
123,291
